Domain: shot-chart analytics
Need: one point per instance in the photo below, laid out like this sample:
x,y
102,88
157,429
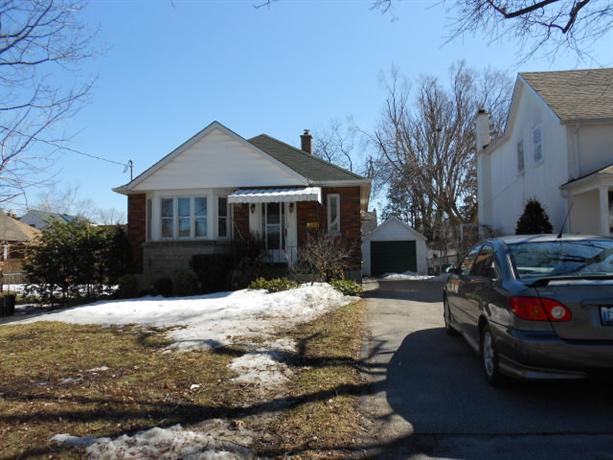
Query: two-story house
x,y
557,147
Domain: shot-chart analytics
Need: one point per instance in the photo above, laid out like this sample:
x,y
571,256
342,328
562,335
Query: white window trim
x,y
539,161
338,211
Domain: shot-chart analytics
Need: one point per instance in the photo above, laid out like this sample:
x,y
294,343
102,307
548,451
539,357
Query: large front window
x,y
168,220
200,221
184,217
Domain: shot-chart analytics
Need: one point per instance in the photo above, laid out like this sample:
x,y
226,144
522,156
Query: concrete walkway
x,y
428,397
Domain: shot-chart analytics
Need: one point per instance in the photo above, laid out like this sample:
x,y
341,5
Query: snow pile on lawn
x,y
408,276
210,320
165,443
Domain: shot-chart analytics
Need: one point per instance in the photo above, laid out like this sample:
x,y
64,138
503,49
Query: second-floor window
x,y
520,157
537,144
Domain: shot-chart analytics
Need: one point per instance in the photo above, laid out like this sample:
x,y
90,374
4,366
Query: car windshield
x,y
563,258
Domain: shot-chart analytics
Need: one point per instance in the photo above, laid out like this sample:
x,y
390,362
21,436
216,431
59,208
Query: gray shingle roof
x,y
13,230
48,216
575,94
309,166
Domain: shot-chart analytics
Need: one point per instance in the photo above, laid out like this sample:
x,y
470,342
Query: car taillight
x,y
539,309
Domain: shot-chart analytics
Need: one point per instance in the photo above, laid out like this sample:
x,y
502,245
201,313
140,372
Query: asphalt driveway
x,y
428,397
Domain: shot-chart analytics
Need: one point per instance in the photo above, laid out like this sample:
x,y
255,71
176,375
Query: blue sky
x,y
170,68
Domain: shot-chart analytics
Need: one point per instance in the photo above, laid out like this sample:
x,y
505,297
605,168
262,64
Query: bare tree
x,y
552,24
426,145
40,41
68,200
327,256
336,143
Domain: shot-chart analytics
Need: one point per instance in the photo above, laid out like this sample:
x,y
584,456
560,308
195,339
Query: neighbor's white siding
x,y
217,161
504,196
584,217
394,230
594,142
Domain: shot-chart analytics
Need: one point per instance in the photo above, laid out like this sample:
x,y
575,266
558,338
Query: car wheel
x,y
489,357
447,317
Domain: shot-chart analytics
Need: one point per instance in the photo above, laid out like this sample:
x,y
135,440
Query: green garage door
x,y
392,257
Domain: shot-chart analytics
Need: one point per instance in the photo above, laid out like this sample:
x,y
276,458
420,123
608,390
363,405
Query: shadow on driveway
x,y
429,396
435,382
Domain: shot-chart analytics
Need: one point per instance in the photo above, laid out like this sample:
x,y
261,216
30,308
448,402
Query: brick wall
x,y
137,228
350,219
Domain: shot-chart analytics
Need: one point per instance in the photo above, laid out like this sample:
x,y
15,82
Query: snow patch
x,y
98,369
211,320
405,276
72,441
219,443
260,369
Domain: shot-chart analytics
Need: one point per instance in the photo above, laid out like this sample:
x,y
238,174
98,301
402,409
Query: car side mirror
x,y
454,270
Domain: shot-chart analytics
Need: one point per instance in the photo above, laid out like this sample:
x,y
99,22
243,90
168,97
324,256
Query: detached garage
x,y
394,247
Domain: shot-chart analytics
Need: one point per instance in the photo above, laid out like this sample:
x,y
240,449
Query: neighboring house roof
x,y
13,230
575,94
395,220
48,216
307,165
604,171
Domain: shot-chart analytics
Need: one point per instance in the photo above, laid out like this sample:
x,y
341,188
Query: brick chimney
x,y
483,135
305,141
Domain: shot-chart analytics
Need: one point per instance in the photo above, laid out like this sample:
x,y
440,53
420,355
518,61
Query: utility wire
x,y
129,165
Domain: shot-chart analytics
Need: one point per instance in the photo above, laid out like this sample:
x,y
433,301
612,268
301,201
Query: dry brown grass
x,y
325,421
45,387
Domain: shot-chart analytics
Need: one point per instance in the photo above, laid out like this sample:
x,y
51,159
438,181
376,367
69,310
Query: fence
x,y
12,273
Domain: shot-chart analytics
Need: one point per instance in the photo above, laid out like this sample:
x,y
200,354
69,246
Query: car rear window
x,y
557,258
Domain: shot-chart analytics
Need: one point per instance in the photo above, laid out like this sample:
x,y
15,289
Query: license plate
x,y
606,316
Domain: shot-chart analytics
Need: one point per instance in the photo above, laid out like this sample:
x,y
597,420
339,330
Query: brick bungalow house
x,y
218,186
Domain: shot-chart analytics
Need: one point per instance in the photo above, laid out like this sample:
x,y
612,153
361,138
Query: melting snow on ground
x,y
247,317
217,443
409,276
210,320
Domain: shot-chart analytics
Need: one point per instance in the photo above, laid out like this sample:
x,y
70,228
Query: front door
x,y
273,229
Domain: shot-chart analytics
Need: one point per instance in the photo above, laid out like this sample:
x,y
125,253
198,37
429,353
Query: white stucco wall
x,y
394,230
506,193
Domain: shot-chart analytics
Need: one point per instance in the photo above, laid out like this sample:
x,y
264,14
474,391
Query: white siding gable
x,y
217,159
504,193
